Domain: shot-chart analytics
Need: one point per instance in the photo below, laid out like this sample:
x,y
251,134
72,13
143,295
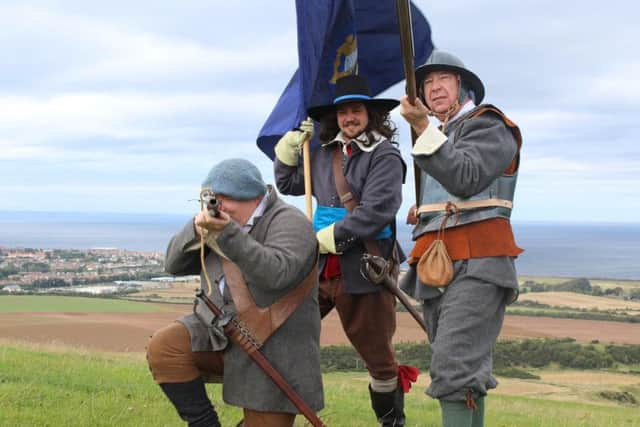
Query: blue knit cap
x,y
238,179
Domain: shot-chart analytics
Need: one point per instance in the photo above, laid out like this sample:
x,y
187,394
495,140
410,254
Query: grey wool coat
x,y
274,257
483,149
376,178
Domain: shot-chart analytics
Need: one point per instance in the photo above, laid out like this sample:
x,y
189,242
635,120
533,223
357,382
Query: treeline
x,y
8,270
508,355
545,310
581,286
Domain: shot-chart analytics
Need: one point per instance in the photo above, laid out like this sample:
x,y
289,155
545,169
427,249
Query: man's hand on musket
x,y
204,220
415,114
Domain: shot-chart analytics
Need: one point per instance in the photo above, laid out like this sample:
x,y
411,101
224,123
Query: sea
x,y
590,250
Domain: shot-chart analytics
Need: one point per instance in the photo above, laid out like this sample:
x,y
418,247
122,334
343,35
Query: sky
x,y
124,106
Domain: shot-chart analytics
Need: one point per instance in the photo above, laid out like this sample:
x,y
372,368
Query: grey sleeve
x,y
379,202
481,151
178,261
289,179
285,258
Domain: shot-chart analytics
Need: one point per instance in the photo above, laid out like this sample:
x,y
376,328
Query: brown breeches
x,y
171,361
369,321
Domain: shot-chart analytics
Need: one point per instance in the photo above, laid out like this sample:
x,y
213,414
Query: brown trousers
x,y
171,361
369,321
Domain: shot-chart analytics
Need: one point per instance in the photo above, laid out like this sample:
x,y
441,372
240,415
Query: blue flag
x,y
337,38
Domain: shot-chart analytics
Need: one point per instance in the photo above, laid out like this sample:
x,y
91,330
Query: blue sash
x,y
326,215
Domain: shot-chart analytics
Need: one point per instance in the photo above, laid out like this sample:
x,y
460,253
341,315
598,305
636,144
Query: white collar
x,y
259,210
362,141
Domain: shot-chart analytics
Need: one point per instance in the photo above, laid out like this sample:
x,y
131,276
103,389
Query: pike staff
x,y
406,44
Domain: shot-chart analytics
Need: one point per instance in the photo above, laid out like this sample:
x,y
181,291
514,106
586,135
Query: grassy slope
x,y
44,387
53,304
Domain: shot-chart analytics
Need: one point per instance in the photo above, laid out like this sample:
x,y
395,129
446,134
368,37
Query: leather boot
x,y
455,414
192,403
388,407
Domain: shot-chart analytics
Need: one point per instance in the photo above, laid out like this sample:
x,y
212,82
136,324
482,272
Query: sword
x,y
376,269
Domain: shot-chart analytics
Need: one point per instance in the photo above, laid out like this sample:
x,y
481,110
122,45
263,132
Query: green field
x,y
46,387
55,304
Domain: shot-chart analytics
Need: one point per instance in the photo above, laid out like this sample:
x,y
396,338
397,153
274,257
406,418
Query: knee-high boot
x,y
389,407
192,403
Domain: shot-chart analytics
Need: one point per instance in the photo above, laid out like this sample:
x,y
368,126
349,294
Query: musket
x,y
376,269
240,334
406,44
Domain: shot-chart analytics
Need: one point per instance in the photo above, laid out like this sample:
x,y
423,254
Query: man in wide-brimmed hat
x,y
260,261
469,168
355,143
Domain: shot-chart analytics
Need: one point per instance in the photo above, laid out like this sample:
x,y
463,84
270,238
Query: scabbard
x,y
377,269
242,336
391,286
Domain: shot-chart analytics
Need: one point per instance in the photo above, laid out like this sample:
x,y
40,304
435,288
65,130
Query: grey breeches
x,y
463,326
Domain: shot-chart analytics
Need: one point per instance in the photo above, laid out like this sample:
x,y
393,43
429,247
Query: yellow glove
x,y
307,127
288,148
326,240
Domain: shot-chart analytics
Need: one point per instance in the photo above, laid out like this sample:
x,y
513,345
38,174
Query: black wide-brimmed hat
x,y
352,89
444,61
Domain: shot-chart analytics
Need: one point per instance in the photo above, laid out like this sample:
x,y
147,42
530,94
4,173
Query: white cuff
x,y
429,141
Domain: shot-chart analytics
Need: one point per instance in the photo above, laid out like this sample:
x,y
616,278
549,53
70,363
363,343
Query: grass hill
x,y
58,386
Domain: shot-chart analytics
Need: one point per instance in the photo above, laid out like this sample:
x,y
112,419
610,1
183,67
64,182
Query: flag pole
x,y
306,163
406,44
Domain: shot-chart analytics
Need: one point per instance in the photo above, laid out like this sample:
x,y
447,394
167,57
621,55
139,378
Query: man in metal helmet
x,y
462,264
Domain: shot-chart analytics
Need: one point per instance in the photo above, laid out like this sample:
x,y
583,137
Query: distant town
x,y
92,271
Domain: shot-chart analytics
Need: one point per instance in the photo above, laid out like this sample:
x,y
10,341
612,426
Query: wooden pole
x,y
406,43
306,162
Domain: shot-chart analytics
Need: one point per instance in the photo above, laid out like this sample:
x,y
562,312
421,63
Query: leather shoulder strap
x,y
342,186
264,321
515,130
347,198
507,121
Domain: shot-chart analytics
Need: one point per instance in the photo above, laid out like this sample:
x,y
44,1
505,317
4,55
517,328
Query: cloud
x,y
87,50
144,116
127,104
617,86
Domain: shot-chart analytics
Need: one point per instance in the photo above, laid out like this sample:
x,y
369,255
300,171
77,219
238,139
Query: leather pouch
x,y
435,267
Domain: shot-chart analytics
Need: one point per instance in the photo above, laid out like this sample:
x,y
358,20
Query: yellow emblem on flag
x,y
346,61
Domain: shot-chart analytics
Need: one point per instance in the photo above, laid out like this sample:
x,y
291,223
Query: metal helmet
x,y
443,61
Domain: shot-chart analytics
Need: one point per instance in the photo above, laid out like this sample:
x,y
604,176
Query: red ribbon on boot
x,y
407,375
